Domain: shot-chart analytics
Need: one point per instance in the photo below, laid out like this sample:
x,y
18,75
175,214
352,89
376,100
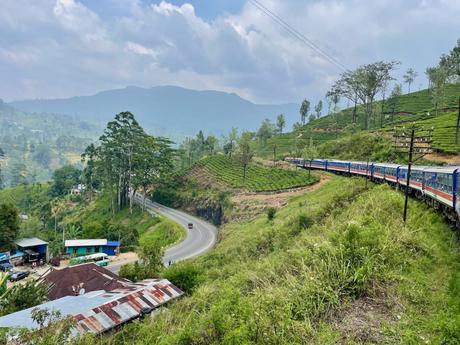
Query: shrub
x,y
185,276
271,212
304,221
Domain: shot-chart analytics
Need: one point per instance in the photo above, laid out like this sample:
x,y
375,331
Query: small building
x,y
31,250
85,247
100,311
81,279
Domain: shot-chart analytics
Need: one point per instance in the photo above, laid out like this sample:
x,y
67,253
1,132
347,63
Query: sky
x,y
63,48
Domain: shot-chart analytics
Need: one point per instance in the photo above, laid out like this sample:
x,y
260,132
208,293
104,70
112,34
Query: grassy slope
x,y
335,266
411,108
163,234
258,178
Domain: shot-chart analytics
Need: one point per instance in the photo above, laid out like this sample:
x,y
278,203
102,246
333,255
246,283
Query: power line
x,y
301,37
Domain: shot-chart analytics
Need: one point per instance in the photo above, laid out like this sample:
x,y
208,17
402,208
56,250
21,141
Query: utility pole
x,y
367,171
274,155
412,145
409,168
458,122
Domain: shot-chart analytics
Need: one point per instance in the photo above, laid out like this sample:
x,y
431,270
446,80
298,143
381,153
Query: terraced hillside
x,y
258,178
414,108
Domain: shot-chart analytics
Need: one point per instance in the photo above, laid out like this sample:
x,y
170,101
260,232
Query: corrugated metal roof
x,y
30,242
89,277
100,311
84,243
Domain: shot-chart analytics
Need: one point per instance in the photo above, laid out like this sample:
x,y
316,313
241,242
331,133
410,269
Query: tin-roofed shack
x,y
30,250
100,311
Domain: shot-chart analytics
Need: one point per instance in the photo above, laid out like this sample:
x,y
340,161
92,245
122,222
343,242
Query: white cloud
x,y
58,48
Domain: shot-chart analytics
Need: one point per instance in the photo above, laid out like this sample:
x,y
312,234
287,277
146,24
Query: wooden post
x,y
406,194
458,122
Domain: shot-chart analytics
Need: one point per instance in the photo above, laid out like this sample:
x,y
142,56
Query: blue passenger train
x,y
440,186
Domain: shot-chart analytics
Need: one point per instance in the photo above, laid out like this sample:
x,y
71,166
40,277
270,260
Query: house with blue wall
x,y
30,250
86,247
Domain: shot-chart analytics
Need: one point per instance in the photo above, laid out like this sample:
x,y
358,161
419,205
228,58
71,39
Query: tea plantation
x,y
258,178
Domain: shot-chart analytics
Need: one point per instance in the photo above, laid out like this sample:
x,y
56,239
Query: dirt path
x,y
249,205
449,159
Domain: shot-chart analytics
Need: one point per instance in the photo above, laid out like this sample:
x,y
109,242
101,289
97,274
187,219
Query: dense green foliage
x,y
152,245
64,179
335,265
9,226
20,297
163,235
127,159
37,144
258,178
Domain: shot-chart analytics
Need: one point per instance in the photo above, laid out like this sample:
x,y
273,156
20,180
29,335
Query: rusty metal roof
x,y
80,279
126,304
100,311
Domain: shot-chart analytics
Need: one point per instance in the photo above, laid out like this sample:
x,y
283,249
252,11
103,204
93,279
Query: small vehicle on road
x,y
6,266
190,226
16,276
100,259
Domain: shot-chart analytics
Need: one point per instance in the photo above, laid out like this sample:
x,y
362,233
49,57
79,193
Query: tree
x,y
438,86
319,109
309,153
393,101
2,156
210,144
369,81
451,64
311,118
64,179
296,127
42,155
118,145
229,146
18,174
9,226
152,162
304,109
265,131
280,123
348,87
245,153
334,96
409,78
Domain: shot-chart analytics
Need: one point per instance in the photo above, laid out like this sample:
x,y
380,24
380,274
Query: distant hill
x,y
167,109
37,143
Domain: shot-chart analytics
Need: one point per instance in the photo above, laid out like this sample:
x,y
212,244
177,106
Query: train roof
x,y
387,165
445,169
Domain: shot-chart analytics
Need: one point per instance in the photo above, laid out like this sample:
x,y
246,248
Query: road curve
x,y
198,241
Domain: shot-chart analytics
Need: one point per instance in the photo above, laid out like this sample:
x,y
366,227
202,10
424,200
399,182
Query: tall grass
x,y
291,281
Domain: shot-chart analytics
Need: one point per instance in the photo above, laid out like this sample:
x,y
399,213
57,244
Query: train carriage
x,y
337,165
457,194
361,168
417,179
385,171
319,164
441,184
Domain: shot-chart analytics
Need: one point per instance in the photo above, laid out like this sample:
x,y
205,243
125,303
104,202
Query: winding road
x,y
198,241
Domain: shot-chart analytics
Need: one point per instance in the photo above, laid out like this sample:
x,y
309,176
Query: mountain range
x,y
167,110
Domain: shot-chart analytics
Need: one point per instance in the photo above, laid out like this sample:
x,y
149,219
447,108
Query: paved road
x,y
198,241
